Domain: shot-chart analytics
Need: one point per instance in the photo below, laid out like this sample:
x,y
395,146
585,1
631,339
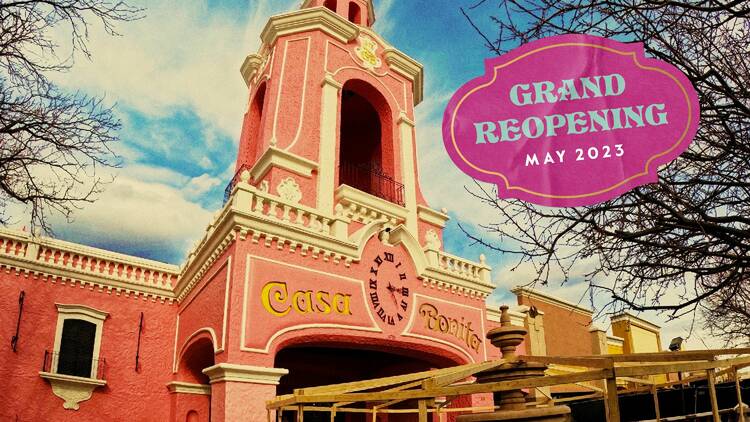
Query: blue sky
x,y
174,77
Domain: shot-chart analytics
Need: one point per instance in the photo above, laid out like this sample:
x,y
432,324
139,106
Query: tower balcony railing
x,y
233,182
371,180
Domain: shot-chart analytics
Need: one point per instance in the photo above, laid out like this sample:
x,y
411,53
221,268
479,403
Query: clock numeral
x,y
404,305
388,256
374,298
373,284
391,321
378,260
405,291
398,265
400,317
381,314
374,270
402,276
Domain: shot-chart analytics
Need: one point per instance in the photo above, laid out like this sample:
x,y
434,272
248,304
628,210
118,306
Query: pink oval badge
x,y
570,120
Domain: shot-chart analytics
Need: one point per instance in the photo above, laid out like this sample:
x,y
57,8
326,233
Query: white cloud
x,y
137,215
181,54
198,186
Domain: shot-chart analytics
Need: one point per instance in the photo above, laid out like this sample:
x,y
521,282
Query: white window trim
x,y
85,313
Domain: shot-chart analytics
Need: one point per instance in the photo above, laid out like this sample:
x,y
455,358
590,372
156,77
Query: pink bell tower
x,y
332,102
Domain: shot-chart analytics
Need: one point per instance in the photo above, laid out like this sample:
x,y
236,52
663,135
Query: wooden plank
x,y
688,355
585,397
682,355
596,374
739,394
655,393
711,376
636,380
383,382
613,403
450,378
423,411
630,371
584,361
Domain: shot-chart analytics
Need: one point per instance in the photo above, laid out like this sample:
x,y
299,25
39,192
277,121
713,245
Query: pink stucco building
x,y
325,265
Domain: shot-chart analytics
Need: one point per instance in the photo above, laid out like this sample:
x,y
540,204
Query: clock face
x,y
389,291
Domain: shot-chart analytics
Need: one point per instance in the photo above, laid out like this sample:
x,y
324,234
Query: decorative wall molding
x,y
431,216
289,190
73,390
634,320
180,387
69,263
274,157
310,19
230,372
543,297
366,208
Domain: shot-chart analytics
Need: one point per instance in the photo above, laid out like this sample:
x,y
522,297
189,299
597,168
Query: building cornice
x,y
69,262
634,320
250,66
408,68
543,297
431,216
364,207
189,388
274,157
309,19
230,372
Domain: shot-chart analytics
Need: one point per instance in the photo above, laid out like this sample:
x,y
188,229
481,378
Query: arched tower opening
x,y
198,356
330,5
366,150
250,140
355,13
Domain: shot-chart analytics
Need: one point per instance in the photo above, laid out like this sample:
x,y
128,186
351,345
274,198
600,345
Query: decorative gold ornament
x,y
367,53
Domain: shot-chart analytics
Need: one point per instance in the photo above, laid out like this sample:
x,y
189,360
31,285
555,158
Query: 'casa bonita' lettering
x,y
278,302
435,321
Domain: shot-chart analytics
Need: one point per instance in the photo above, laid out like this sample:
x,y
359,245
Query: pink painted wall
x,y
143,394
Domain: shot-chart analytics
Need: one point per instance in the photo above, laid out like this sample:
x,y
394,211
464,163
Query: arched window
x,y
77,342
192,416
355,13
330,4
366,153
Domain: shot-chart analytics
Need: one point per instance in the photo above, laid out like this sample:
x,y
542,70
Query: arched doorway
x,y
195,357
324,364
366,151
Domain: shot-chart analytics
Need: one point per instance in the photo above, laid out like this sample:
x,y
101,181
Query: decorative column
x,y
238,391
329,113
406,132
512,404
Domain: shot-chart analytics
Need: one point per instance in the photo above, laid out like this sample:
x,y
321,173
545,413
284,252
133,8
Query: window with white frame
x,y
77,341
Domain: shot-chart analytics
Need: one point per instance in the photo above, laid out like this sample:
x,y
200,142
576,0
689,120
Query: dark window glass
x,y
76,348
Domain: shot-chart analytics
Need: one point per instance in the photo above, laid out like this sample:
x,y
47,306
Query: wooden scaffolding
x,y
431,392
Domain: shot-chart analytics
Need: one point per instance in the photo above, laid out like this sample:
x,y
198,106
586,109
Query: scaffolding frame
x,y
434,390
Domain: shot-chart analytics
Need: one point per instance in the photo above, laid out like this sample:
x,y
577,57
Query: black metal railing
x,y
371,180
70,364
233,182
